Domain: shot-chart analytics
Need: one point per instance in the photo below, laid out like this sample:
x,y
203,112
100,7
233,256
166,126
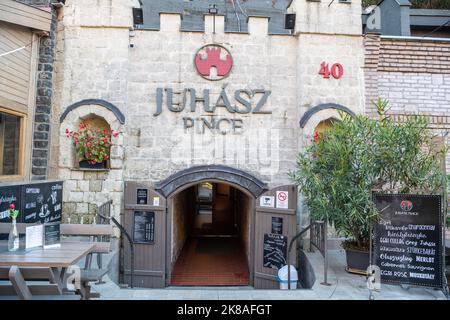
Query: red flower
x,y
316,136
12,206
82,125
89,154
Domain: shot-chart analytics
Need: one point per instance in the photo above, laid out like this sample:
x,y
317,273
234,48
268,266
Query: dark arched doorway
x,y
210,226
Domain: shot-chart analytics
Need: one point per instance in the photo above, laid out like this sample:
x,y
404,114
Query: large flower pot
x,y
357,261
96,165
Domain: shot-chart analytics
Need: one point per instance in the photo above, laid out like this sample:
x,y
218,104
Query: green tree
x,y
338,173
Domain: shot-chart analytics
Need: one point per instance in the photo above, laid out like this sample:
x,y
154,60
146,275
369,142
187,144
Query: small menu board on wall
x,y
275,251
408,244
144,227
142,195
277,225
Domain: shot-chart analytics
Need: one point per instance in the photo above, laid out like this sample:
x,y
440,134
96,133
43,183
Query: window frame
x,y
22,145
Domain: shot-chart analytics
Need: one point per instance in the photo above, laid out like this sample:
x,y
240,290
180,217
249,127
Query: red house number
x,y
337,70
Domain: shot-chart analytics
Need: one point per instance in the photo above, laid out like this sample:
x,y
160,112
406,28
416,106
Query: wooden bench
x,y
17,288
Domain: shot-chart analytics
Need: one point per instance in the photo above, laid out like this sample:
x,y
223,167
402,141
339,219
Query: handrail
x,y
299,235
122,229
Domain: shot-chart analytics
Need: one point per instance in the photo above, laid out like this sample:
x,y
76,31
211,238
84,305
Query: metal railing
x,y
318,238
104,215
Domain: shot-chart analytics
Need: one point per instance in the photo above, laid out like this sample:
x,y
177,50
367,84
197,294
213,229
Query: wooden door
x,y
275,226
145,221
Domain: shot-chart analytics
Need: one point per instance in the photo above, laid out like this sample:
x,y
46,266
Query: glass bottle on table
x,y
13,239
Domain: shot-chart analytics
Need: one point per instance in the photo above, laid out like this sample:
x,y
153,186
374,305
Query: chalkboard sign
x,y
42,202
144,227
8,195
142,195
275,248
277,225
52,235
408,244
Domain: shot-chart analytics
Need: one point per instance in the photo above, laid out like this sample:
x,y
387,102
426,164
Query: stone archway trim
x,y
119,115
212,172
321,107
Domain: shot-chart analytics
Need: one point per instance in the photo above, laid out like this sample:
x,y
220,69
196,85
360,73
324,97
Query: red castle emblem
x,y
213,62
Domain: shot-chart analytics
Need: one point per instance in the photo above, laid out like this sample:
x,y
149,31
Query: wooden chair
x,y
93,275
100,234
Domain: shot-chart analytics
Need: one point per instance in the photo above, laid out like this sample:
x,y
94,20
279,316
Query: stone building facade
x,y
103,61
413,74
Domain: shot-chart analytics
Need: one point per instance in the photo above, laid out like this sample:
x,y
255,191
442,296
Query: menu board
x,y
142,195
42,202
275,248
408,244
52,235
144,227
8,195
277,225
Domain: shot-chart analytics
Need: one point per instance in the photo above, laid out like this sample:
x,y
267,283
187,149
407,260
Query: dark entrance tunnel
x,y
210,243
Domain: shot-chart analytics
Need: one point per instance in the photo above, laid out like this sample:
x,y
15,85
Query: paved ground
x,y
344,286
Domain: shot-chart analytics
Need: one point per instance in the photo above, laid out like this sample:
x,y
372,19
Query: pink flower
x,y
12,206
116,134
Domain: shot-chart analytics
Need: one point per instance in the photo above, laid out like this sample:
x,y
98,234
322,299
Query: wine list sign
x,y
408,245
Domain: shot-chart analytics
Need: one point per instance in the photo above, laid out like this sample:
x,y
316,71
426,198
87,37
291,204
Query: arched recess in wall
x,y
320,117
99,113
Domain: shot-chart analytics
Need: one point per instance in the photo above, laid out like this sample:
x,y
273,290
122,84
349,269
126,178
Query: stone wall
x,y
414,75
44,94
98,57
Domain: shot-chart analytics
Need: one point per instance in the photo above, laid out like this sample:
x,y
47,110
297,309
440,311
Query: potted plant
x,y
357,155
92,145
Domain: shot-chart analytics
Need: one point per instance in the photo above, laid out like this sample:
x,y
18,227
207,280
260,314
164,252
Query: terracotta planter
x,y
97,165
357,261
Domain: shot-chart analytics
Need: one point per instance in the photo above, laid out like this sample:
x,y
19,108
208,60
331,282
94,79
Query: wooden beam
x,y
24,15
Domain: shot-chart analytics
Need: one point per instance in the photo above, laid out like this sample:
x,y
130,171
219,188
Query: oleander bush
x,y
357,155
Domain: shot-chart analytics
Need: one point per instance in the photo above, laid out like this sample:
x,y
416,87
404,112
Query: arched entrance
x,y
208,226
210,231
210,218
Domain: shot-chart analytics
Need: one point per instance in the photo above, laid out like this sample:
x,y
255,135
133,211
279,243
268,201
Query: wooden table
x,y
55,260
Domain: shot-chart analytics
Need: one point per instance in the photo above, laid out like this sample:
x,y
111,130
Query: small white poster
x,y
267,201
282,200
156,201
34,236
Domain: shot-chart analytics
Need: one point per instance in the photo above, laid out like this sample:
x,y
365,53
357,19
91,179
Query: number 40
x,y
337,70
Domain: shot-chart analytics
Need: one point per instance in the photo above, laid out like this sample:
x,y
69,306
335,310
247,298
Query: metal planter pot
x,y
357,261
98,165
